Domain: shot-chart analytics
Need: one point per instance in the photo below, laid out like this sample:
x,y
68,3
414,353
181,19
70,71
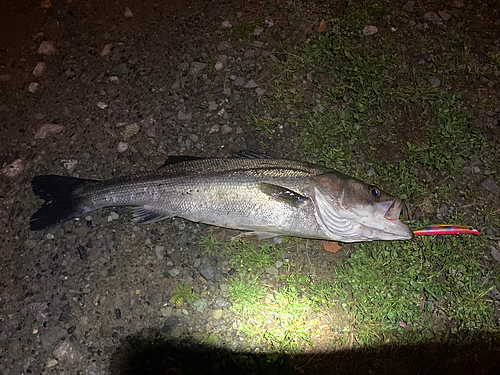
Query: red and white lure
x,y
445,229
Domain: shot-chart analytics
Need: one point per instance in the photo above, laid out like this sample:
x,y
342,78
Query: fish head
x,y
355,211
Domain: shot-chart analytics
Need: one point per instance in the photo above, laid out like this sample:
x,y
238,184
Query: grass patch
x,y
183,293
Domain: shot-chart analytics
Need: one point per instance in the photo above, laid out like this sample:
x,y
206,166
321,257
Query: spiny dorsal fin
x,y
248,154
282,194
174,159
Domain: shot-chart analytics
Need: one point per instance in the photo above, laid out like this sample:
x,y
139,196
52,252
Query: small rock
x,y
206,271
226,129
128,13
458,3
13,169
491,186
257,31
39,311
259,44
370,30
433,17
212,106
250,53
39,69
408,7
495,253
250,84
224,46
51,363
324,264
170,323
239,130
66,351
218,66
82,253
106,50
196,67
102,105
222,59
444,15
175,272
239,81
225,25
200,305
166,311
65,313
217,314
214,129
32,87
176,85
5,77
113,216
130,131
269,21
69,164
52,336
122,147
183,116
50,236
434,81
260,91
48,129
46,48
227,91
272,271
114,79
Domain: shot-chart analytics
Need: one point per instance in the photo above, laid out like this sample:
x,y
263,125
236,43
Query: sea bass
x,y
267,196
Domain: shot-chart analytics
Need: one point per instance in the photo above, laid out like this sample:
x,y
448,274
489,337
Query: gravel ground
x,y
100,89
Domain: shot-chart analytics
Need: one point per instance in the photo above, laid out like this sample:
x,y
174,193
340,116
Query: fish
x,y
252,192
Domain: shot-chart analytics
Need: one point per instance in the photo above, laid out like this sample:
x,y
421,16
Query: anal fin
x,y
144,215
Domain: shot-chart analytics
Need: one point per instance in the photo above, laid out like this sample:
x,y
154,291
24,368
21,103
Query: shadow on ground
x,y
158,355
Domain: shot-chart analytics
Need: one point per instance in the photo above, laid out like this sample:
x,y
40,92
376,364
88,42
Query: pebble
x,y
434,81
212,106
13,169
269,21
106,50
50,236
490,185
175,272
444,15
184,116
224,46
128,13
5,77
166,311
408,7
226,25
102,105
65,313
66,351
39,69
32,87
250,84
272,271
200,305
70,164
239,130
52,336
122,147
226,129
222,59
46,48
197,263
218,66
48,129
370,30
433,17
278,264
324,264
51,363
239,81
260,92
217,314
196,67
257,31
206,271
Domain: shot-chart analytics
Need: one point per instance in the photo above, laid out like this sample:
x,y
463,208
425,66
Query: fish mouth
x,y
394,209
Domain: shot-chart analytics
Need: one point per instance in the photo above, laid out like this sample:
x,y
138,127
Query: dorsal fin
x,y
248,154
174,159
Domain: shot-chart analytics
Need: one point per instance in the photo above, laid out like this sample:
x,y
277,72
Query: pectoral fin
x,y
283,194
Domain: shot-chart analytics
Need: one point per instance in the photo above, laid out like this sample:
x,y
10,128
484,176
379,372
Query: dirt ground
x,y
123,85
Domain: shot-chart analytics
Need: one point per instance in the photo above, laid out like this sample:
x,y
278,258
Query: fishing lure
x,y
445,229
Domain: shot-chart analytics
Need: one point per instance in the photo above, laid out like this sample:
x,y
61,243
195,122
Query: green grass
x,y
183,293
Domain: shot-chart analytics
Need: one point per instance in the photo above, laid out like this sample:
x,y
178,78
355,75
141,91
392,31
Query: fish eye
x,y
374,191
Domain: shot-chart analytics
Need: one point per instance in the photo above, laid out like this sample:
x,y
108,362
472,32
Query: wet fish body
x,y
270,197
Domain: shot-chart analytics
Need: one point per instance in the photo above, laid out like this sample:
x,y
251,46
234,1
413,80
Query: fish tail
x,y
63,200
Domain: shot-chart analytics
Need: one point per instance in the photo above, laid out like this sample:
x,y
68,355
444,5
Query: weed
x,y
246,293
209,339
183,293
249,256
210,244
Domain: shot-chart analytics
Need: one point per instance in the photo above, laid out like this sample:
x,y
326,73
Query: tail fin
x,y
62,201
